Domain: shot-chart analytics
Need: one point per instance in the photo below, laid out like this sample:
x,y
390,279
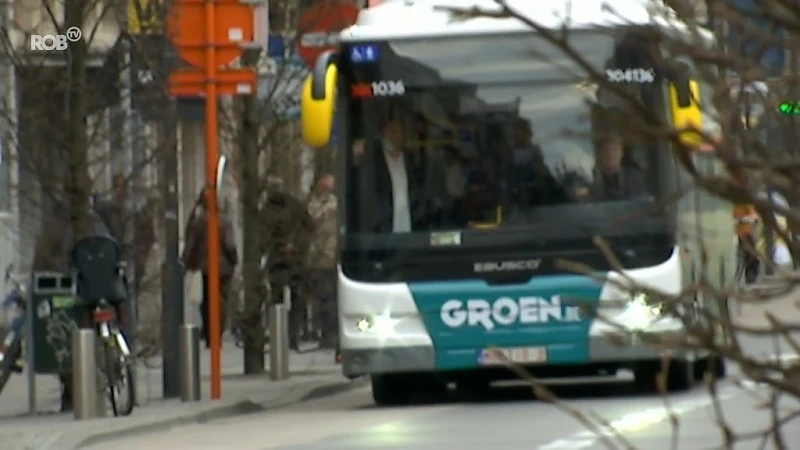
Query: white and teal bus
x,y
474,157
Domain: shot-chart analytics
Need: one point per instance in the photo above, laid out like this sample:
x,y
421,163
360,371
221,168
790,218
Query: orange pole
x,y
212,140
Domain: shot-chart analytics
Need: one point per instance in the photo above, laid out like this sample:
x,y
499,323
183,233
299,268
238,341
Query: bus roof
x,y
407,19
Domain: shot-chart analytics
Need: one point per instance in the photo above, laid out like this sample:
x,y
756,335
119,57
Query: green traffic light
x,y
789,108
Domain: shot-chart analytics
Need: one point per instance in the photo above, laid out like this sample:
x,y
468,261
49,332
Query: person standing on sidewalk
x,y
746,218
134,230
195,257
288,230
322,208
132,226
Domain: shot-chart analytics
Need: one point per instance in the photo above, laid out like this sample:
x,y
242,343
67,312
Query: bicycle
x,y
11,345
116,356
101,284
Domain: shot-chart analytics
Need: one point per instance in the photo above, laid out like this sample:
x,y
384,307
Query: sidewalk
x,y
774,300
313,375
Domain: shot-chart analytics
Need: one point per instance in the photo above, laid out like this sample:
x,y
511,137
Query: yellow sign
x,y
146,16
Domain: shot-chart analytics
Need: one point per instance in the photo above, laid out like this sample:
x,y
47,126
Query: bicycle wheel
x,y
119,376
9,359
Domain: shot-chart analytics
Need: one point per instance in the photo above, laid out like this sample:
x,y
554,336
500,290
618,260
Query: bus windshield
x,y
495,132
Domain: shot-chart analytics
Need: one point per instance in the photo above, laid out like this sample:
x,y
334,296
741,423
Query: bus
x,y
477,163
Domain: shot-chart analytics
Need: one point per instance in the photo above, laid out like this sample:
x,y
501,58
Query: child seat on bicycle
x,y
97,262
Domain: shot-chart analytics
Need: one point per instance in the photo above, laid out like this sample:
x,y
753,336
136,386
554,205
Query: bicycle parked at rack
x,y
11,345
101,286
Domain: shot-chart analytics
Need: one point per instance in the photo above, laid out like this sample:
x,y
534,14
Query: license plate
x,y
519,355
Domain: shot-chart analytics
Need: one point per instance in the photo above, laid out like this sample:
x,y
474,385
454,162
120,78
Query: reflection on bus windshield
x,y
420,172
480,139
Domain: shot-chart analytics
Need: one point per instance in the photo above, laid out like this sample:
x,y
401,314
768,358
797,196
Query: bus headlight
x,y
363,325
639,313
381,324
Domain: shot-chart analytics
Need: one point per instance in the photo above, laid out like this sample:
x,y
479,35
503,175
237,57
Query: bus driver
x,y
388,180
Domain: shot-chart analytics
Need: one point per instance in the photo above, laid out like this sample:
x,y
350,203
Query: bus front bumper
x,y
608,345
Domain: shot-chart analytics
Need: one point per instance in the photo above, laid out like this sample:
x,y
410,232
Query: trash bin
x,y
55,317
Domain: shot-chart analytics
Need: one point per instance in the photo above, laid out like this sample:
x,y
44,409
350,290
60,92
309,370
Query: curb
x,y
331,389
297,394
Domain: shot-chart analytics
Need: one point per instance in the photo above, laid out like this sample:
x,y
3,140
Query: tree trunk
x,y
254,294
171,272
77,183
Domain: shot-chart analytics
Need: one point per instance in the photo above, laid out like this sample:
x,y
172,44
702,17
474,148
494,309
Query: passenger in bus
x,y
455,176
416,152
429,168
535,184
616,177
382,174
575,182
480,203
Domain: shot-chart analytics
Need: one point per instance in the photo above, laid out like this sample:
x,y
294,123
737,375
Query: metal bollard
x,y
279,342
86,404
190,363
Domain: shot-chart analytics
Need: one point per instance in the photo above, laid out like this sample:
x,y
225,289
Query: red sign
x,y
320,26
233,26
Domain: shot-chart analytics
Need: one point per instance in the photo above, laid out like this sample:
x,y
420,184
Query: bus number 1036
x,y
388,88
378,89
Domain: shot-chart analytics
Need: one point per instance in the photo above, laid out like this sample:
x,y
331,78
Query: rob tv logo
x,y
49,42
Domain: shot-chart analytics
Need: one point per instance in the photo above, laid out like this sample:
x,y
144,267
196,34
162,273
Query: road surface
x,y
510,418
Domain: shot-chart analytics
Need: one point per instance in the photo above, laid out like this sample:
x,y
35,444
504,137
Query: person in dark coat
x,y
288,235
117,214
322,207
132,227
536,185
51,253
195,257
384,182
616,176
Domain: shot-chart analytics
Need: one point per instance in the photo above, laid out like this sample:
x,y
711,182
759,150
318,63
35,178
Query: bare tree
x,y
743,154
265,135
67,127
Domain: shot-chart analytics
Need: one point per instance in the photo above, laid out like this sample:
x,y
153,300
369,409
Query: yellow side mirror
x,y
687,117
318,102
